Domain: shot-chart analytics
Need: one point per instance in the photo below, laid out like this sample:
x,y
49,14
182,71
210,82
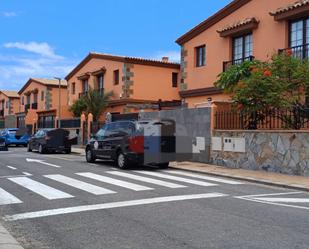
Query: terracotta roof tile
x,y
12,94
50,81
289,7
238,24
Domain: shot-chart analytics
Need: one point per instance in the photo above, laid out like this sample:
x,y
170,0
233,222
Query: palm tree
x,y
96,102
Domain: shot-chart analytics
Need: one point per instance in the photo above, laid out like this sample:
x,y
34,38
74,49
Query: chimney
x,y
165,59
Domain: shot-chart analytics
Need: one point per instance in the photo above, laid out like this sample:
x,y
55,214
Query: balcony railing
x,y
301,52
34,106
228,64
27,107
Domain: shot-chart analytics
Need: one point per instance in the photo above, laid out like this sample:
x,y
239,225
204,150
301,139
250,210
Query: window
x,y
73,88
116,77
174,79
242,48
299,38
22,100
200,56
100,80
85,86
35,98
28,99
42,96
7,104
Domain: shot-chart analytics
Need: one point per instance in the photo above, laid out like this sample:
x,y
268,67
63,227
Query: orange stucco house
x,y
9,103
39,103
136,83
243,30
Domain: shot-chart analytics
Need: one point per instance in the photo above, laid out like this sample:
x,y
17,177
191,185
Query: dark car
x,y
120,141
50,140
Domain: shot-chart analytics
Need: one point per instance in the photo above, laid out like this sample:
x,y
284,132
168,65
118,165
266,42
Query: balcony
x,y
228,64
300,52
27,107
34,106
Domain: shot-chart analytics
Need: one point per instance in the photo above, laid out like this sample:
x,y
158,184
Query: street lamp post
x,y
59,100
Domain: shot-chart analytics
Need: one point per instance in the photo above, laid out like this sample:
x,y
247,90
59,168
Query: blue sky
x,y
48,38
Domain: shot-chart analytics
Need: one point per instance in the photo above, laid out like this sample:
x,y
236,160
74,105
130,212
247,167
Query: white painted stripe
x,y
90,188
287,200
273,194
272,203
39,188
209,178
70,210
27,174
7,198
11,167
114,181
146,179
176,178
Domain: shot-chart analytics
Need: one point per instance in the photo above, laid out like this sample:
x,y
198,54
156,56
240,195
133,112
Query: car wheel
x,y
122,161
25,145
163,165
29,148
41,149
90,158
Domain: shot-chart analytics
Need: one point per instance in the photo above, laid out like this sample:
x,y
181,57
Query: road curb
x,y
7,241
248,179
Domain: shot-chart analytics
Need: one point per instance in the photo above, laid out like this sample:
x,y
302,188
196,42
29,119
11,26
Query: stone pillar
x,y
90,121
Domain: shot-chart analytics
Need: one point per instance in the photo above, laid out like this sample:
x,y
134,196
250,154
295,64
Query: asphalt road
x,y
60,201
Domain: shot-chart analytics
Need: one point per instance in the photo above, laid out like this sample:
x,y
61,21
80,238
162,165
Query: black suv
x,y
120,141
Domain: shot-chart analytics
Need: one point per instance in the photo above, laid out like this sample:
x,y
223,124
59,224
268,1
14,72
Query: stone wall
x,y
275,151
192,132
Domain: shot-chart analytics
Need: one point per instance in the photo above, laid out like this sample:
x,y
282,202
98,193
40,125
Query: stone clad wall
x,y
284,152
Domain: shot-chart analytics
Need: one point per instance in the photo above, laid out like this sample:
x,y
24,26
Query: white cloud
x,y
33,61
174,56
8,14
43,49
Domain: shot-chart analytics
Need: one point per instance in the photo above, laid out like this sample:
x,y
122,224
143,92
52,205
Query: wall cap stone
x,y
264,131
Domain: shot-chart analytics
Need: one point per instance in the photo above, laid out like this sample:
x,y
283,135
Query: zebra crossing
x,y
171,179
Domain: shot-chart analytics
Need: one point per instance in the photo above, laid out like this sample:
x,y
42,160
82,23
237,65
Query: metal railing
x,y
271,119
70,123
82,94
27,107
300,52
228,64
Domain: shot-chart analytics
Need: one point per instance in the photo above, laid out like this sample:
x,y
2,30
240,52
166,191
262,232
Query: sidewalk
x,y
7,241
269,178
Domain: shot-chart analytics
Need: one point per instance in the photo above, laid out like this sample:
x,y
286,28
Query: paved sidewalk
x,y
275,179
78,150
7,241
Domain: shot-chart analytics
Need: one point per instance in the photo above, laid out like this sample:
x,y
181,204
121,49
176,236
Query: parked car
x,y
50,140
120,141
15,136
3,146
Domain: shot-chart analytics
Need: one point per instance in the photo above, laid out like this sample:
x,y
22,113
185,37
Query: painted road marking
x,y
209,178
287,200
146,179
11,167
114,181
90,188
39,188
42,162
78,209
27,174
176,178
7,198
273,194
